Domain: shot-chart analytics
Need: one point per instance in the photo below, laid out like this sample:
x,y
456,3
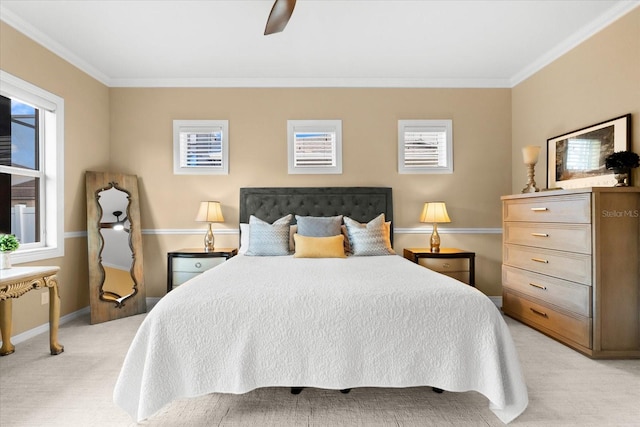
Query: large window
x,y
315,146
425,146
31,173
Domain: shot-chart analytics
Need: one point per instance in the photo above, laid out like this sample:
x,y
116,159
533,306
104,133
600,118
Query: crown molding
x,y
571,42
47,42
574,40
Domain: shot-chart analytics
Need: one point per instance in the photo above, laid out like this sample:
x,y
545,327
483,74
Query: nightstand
x,y
449,261
185,264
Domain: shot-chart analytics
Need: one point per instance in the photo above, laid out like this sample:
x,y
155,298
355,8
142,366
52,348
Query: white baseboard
x,y
17,339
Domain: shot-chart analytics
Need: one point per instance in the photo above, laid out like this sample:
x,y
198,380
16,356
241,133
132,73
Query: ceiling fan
x,y
279,16
118,225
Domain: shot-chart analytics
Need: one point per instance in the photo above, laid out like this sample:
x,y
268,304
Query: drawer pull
x,y
544,261
539,209
540,234
539,313
198,265
446,265
535,285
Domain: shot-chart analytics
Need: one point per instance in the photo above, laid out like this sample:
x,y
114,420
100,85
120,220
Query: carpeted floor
x,y
75,389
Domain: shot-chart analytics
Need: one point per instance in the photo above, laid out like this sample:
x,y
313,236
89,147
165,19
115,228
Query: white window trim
x,y
204,126
428,125
314,126
52,207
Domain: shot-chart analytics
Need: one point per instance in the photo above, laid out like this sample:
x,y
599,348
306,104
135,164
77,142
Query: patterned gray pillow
x,y
319,226
368,239
269,239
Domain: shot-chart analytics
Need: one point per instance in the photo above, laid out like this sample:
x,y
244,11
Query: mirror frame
x,y
103,310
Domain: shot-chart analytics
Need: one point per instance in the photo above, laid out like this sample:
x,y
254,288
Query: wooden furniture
x,y
17,281
185,264
449,261
571,267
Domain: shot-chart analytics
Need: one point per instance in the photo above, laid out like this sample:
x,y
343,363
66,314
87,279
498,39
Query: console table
x,y
17,281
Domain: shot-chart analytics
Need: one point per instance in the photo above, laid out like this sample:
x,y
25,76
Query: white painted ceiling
x,y
392,43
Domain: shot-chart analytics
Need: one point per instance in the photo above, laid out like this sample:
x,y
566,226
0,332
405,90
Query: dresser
x,y
571,267
186,264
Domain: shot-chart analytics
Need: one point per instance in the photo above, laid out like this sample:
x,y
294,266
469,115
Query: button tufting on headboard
x,y
360,203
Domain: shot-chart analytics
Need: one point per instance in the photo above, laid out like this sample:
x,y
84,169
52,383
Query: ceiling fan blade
x,y
279,16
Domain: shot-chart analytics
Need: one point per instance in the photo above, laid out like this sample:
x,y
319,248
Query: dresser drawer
x,y
445,265
567,265
196,265
576,329
563,237
570,296
575,208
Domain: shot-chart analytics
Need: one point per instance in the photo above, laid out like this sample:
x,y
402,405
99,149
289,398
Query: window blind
x,y
315,149
425,148
201,149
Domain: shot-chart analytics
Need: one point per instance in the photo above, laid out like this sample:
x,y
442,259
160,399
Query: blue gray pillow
x,y
269,239
368,239
319,226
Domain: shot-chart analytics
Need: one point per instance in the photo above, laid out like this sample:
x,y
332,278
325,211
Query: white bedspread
x,y
329,323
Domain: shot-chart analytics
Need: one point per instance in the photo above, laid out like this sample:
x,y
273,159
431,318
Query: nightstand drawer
x,y
445,265
187,263
196,265
179,277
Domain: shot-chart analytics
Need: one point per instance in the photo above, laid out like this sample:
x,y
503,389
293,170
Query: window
x,y
201,147
583,154
425,146
315,146
31,168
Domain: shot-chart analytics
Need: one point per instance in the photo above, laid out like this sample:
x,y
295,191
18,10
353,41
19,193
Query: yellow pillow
x,y
319,247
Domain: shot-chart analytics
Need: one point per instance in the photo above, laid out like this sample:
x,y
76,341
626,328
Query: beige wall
x,y
129,130
141,143
86,147
596,81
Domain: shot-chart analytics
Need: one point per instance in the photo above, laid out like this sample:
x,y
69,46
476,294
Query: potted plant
x,y
621,164
8,244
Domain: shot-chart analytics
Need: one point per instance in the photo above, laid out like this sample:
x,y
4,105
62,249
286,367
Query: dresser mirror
x,y
114,239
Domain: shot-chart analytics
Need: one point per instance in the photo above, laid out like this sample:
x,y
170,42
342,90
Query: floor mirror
x,y
114,240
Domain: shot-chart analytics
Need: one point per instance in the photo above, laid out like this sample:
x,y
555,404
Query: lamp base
x,y
531,183
435,239
208,240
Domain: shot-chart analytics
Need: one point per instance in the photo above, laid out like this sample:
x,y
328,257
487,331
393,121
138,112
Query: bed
x,y
334,323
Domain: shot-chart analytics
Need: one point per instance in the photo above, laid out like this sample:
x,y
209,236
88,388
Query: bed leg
x,y
345,391
296,390
437,390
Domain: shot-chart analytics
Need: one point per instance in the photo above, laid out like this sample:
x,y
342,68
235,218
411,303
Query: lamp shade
x,y
434,212
210,212
530,154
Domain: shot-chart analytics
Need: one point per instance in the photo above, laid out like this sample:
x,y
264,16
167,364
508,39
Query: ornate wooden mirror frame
x,y
106,300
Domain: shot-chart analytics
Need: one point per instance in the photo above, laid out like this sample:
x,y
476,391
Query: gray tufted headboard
x,y
360,203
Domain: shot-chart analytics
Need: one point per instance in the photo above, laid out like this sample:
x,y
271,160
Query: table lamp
x,y
530,157
209,212
435,212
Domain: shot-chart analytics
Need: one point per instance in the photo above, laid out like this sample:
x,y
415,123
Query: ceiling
x,y
327,43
